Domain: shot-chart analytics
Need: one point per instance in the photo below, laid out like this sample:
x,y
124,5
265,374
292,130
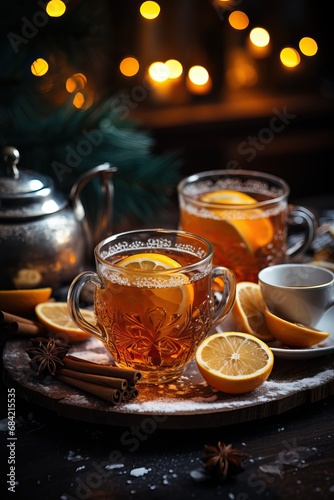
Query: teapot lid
x,y
25,193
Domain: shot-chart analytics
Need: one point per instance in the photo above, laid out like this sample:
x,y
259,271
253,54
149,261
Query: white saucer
x,y
326,324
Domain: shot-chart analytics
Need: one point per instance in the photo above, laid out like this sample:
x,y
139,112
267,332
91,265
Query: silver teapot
x,y
45,238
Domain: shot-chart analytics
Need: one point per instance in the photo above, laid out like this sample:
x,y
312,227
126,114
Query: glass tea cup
x,y
246,216
154,299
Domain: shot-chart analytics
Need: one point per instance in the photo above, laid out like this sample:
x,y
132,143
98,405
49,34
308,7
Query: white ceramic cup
x,y
299,293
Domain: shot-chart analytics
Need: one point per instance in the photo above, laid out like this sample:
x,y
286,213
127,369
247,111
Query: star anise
x,y
46,355
223,461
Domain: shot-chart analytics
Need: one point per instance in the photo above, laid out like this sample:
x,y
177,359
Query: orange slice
x,y
149,262
293,334
56,318
256,231
248,311
234,362
22,302
174,296
228,197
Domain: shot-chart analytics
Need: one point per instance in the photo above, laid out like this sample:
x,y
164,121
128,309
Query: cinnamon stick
x,y
6,317
17,325
19,328
83,365
116,383
130,394
109,394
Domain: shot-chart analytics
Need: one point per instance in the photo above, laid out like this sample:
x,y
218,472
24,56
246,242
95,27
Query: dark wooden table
x,y
289,455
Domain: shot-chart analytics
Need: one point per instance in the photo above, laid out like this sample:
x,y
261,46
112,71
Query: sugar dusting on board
x,y
186,396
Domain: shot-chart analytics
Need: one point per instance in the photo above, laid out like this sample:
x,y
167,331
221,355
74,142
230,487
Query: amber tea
x,y
243,214
154,300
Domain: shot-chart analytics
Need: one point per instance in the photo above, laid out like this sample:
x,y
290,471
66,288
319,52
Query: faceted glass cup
x,y
246,217
152,320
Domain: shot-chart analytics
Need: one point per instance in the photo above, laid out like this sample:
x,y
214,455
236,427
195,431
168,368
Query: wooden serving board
x,y
186,403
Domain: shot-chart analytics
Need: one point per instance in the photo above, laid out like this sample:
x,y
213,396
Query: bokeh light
x,y
39,67
198,75
150,10
78,100
259,37
198,80
129,66
175,68
77,81
289,57
55,8
308,46
158,71
238,20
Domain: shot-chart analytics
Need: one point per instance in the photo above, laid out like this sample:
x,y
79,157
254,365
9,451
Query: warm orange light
x,y
129,66
258,43
39,67
308,46
259,37
175,68
241,71
289,57
158,71
198,75
55,8
198,80
79,100
238,20
78,81
150,10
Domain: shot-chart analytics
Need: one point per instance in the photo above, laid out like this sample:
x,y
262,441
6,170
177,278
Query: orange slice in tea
x,y
174,297
256,231
149,262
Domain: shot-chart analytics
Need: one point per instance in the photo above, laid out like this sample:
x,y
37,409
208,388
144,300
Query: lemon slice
x,y
23,301
256,231
174,296
293,334
248,311
56,318
228,197
149,262
234,362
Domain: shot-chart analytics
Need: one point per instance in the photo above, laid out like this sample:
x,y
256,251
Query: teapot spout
x,y
102,225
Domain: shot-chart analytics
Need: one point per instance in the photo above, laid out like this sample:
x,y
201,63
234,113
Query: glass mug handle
x,y
73,302
297,215
224,300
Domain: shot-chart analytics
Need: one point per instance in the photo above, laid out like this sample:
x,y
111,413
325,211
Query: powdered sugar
x,y
189,397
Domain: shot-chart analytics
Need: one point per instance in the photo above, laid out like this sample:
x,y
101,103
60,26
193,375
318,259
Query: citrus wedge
x,y
228,197
293,334
55,317
256,230
23,301
248,311
174,295
234,362
149,262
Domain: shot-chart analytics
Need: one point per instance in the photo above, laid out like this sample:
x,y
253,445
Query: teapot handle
x,y
105,215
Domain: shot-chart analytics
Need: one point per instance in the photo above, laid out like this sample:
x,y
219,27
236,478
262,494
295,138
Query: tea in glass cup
x,y
245,215
154,299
